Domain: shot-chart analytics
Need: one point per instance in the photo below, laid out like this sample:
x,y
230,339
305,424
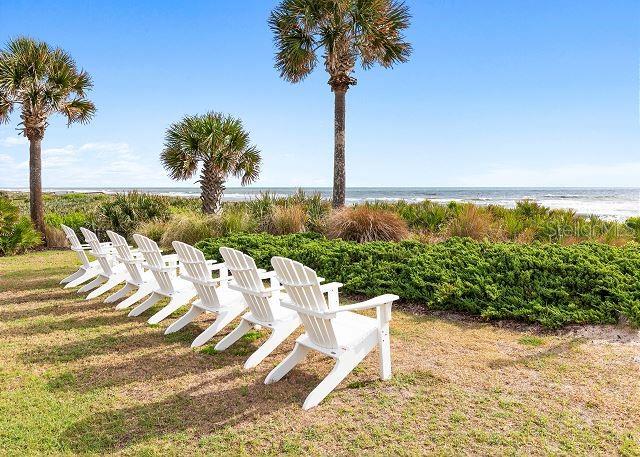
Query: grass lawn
x,y
79,377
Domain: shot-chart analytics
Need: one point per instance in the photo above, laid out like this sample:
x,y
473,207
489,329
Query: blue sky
x,y
497,93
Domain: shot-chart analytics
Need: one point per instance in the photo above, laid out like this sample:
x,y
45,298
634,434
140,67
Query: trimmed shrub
x,y
366,223
549,284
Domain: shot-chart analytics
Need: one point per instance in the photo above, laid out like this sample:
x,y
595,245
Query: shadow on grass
x,y
553,351
202,409
32,328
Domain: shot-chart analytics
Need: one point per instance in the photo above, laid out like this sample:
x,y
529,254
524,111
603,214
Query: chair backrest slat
x,y
126,256
303,288
75,245
104,259
153,256
245,273
194,265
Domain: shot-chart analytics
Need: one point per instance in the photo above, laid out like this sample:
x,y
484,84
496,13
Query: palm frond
x,y
293,24
44,81
214,140
347,30
248,166
79,110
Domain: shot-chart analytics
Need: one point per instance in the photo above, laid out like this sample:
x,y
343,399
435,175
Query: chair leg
x,y
177,302
145,305
223,319
385,352
137,295
234,336
92,285
187,318
120,293
86,275
344,365
73,276
296,356
112,282
278,335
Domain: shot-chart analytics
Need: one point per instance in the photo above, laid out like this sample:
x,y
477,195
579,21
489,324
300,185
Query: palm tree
x,y
220,144
347,31
42,81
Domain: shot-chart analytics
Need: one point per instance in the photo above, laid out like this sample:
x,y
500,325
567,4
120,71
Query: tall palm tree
x,y
217,142
41,81
347,31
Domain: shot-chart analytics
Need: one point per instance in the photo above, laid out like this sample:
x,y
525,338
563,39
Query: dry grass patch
x,y
366,223
79,377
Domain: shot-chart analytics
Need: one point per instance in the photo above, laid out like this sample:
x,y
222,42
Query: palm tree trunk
x,y
338,152
36,206
212,188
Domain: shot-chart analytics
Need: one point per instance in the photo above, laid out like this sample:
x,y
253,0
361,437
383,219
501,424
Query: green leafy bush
x,y
124,212
633,223
17,233
550,284
74,219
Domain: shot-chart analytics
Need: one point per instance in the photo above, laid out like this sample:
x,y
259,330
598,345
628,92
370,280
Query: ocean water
x,y
609,203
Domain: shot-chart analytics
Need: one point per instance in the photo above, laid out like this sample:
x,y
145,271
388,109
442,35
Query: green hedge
x,y
544,283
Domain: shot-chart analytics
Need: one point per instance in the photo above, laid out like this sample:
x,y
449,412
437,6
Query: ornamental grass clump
x,y
365,223
287,219
189,228
475,223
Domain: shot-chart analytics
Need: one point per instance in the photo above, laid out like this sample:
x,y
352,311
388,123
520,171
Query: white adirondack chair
x,y
331,329
88,270
138,279
214,295
264,305
111,273
165,271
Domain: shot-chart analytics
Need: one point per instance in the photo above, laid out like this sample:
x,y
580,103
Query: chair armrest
x,y
264,274
171,259
330,286
168,268
319,314
264,293
134,260
372,303
217,266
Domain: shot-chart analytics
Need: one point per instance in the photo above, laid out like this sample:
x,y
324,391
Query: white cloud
x,y
99,164
11,141
122,150
59,157
575,175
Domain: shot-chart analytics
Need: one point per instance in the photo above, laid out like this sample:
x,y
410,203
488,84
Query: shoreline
x,y
608,203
